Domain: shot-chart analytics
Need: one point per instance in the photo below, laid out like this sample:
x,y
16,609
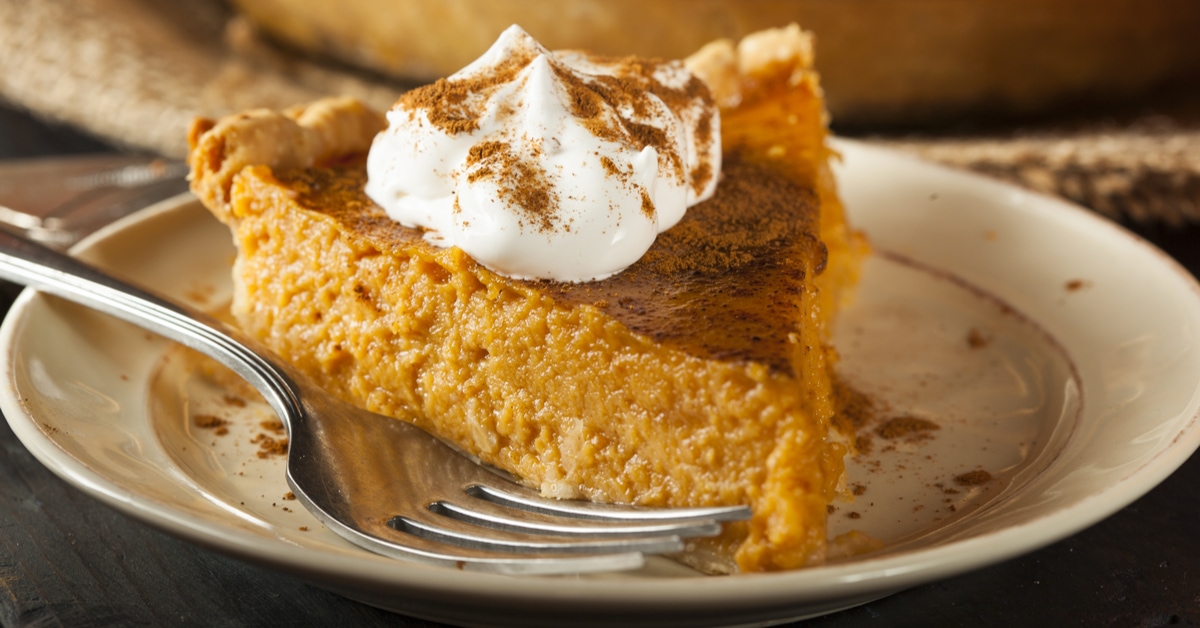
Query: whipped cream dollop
x,y
548,165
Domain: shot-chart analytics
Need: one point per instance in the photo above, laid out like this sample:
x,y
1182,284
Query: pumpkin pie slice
x,y
701,375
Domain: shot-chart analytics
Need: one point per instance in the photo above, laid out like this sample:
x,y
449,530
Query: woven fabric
x,y
136,72
1145,171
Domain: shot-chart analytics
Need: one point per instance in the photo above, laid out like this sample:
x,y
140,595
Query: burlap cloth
x,y
135,72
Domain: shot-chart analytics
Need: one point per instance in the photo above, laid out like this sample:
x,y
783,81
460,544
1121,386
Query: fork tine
x,y
381,537
460,534
434,552
521,498
490,515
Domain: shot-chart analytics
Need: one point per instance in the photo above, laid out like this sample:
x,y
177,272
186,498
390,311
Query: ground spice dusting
x,y
704,171
485,158
864,443
610,167
520,182
219,426
208,421
628,90
455,106
854,410
452,114
973,478
694,247
905,426
643,135
1075,285
269,446
700,177
647,205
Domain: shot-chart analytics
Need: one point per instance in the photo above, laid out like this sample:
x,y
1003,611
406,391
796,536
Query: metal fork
x,y
383,483
58,200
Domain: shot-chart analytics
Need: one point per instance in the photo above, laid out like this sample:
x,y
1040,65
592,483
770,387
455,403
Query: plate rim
x,y
868,576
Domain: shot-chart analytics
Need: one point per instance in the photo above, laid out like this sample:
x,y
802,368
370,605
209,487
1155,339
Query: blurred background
x,y
1094,100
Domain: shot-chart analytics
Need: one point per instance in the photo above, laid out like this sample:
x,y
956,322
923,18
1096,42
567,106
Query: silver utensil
x,y
383,483
58,200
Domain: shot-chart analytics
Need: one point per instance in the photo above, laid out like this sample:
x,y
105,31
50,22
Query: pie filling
x,y
700,375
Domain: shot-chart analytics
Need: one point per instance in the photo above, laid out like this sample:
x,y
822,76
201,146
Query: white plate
x,y
1077,393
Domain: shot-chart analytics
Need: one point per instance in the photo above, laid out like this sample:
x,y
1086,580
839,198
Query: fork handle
x,y
26,262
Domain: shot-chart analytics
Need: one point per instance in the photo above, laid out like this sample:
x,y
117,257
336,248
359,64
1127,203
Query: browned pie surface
x,y
726,283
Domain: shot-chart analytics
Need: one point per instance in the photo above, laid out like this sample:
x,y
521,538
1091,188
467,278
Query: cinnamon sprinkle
x,y
973,478
647,205
455,106
704,171
906,427
609,166
697,247
630,88
268,446
521,182
609,106
209,421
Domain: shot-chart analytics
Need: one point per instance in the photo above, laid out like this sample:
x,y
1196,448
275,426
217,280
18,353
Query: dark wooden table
x,y
67,560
